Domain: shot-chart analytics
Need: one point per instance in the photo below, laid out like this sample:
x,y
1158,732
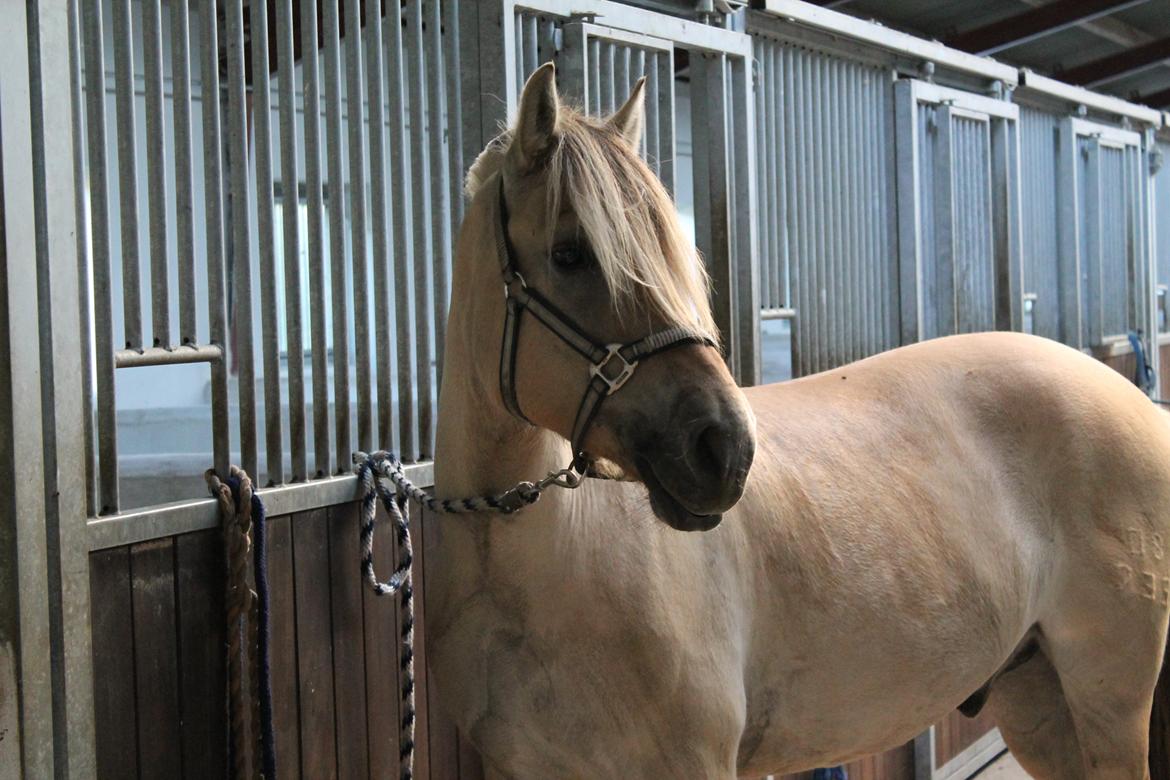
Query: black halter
x,y
610,365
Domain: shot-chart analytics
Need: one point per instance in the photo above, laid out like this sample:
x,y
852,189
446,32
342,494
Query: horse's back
x,y
944,500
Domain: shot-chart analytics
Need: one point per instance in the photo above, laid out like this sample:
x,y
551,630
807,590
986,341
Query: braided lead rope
x,y
239,597
382,476
248,630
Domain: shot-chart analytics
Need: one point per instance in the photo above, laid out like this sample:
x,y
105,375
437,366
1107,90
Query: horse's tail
x,y
1160,725
1160,716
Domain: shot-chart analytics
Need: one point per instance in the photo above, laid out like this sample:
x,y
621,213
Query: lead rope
x,y
243,517
382,476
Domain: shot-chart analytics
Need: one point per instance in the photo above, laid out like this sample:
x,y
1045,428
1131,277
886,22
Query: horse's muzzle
x,y
695,469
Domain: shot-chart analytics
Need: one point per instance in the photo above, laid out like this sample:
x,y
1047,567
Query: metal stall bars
x,y
1091,152
252,207
829,180
826,216
958,211
598,64
601,66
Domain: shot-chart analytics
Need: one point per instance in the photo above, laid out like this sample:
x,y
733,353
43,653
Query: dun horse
x,y
969,519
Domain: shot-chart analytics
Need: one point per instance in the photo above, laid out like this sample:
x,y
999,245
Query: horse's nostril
x,y
712,451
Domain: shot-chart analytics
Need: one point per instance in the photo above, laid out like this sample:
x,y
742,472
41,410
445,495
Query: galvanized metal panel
x,y
825,168
1038,205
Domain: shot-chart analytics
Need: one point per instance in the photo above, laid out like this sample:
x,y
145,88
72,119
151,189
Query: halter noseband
x,y
610,365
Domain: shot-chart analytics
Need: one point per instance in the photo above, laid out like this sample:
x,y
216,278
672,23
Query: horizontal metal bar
x,y
925,92
778,314
160,356
636,40
1108,135
978,754
687,34
140,525
840,24
1034,82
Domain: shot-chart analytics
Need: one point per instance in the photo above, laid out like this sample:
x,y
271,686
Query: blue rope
x,y
1143,373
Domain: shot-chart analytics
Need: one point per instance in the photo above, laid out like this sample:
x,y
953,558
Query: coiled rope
x,y
383,477
250,717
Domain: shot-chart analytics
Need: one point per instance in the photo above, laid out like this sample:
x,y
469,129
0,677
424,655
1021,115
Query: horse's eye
x,y
569,257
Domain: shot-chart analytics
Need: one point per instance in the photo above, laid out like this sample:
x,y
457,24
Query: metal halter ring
x,y
627,368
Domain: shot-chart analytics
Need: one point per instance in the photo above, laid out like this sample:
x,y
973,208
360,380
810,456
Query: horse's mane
x,y
630,221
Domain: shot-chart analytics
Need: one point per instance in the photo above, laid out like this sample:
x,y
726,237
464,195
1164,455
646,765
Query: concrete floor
x,y
1003,768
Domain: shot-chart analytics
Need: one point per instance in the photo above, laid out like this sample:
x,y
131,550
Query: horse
x,y
774,578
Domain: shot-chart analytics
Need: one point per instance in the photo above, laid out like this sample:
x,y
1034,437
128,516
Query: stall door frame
x,y
921,316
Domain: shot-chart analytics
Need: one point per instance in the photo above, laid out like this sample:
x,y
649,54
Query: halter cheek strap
x,y
610,365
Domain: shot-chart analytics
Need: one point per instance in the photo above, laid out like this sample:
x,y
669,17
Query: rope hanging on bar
x,y
250,716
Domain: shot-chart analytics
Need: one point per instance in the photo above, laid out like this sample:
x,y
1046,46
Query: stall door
x,y
958,224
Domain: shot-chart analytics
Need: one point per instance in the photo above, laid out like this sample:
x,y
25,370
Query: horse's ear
x,y
536,122
628,120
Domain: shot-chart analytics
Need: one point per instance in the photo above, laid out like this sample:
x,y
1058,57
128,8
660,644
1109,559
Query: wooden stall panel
x,y
160,666
349,649
310,536
283,647
200,572
115,713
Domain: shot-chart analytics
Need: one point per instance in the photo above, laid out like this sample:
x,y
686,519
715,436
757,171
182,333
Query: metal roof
x,y
1116,47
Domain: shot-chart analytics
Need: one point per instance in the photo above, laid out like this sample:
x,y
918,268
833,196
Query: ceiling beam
x,y
1119,65
1159,99
1035,23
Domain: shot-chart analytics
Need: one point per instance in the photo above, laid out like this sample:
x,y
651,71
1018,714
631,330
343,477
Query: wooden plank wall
x,y
160,674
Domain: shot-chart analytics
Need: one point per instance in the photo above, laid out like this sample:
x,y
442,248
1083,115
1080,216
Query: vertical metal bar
x,y
452,56
622,78
440,205
572,81
336,202
357,217
819,244
404,244
25,669
53,40
944,223
747,255
778,212
95,107
127,173
265,230
1094,260
909,211
653,149
531,56
290,202
666,145
712,208
423,249
593,107
84,260
608,66
379,225
156,172
854,295
639,71
764,149
796,162
1008,276
315,246
184,187
213,207
1068,231
518,52
237,141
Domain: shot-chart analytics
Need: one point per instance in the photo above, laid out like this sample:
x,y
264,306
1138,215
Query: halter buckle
x,y
613,381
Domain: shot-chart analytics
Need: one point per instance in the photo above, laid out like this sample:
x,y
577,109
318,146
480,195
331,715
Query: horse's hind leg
x,y
1106,643
1034,719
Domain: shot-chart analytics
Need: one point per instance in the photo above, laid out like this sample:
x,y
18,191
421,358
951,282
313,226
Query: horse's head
x,y
588,245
